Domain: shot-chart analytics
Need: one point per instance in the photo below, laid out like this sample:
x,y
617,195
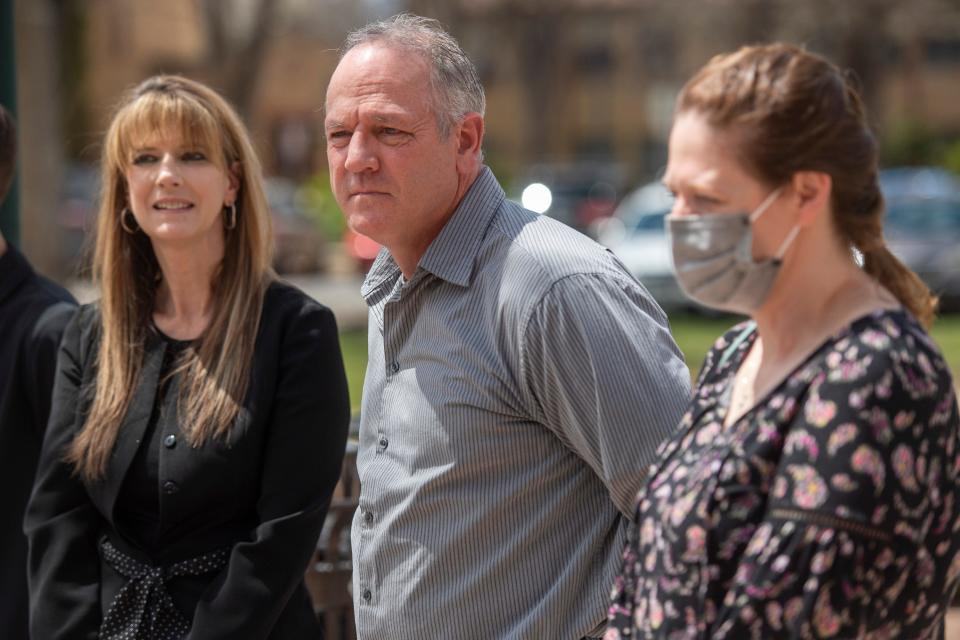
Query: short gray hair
x,y
454,82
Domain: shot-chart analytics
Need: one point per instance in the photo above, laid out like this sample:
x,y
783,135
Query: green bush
x,y
320,204
951,157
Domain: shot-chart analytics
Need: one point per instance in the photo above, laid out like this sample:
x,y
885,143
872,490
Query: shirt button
x,y
383,443
367,595
170,487
368,517
394,366
170,441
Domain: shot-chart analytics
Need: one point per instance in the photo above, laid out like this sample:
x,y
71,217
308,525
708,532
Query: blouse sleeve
x,y
622,595
304,452
61,522
859,535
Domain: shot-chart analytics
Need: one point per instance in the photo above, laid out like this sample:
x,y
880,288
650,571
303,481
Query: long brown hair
x,y
216,369
792,111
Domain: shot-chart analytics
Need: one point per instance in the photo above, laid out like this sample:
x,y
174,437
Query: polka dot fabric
x,y
143,610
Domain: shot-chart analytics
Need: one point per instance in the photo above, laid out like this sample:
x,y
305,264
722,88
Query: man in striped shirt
x,y
519,378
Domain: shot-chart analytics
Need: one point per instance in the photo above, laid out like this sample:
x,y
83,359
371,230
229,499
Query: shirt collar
x,y
452,253
14,269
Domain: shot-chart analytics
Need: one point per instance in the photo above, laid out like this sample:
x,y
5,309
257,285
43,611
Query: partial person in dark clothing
x,y
812,489
200,408
33,313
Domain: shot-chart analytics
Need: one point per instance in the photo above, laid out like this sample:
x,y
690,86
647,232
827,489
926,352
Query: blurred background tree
x,y
573,86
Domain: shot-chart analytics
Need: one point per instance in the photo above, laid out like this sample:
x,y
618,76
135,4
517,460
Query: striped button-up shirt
x,y
517,386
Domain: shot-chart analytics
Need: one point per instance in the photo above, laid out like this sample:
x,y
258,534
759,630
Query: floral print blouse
x,y
829,510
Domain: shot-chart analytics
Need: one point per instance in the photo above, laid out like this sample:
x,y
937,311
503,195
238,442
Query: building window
x,y
658,51
594,59
945,51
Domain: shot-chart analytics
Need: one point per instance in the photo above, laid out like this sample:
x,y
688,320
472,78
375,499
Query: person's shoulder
x,y
53,320
540,248
887,372
36,294
285,304
51,292
283,295
890,344
86,317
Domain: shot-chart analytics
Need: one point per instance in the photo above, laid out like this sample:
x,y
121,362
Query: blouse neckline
x,y
744,342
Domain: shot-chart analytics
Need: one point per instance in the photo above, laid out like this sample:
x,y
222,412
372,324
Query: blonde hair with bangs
x,y
215,371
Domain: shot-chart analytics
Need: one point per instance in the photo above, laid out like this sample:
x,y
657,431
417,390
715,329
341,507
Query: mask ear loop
x,y
759,211
786,242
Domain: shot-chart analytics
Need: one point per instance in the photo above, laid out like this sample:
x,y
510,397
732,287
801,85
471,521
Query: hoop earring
x,y
231,216
125,225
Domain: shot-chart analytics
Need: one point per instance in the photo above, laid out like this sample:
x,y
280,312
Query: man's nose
x,y
361,155
168,174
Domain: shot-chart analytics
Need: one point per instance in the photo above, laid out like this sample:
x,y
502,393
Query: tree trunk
x,y
40,149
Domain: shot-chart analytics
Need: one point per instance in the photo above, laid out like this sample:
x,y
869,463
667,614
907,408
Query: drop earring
x,y
231,216
123,221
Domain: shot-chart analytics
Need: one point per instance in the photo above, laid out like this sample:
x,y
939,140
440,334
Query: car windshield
x,y
650,222
924,216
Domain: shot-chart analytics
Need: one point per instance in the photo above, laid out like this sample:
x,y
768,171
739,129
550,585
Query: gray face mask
x,y
713,259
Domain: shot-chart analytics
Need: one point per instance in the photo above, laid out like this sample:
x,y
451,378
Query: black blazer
x,y
33,314
265,493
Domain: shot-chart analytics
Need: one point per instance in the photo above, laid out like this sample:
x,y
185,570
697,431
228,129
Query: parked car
x,y
922,226
924,232
577,194
636,233
299,245
919,182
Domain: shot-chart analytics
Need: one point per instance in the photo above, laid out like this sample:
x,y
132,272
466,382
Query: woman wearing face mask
x,y
200,409
813,486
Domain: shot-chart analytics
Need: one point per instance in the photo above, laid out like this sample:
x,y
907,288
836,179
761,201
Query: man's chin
x,y
365,225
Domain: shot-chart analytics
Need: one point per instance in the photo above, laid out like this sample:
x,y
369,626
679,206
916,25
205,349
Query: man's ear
x,y
812,191
469,134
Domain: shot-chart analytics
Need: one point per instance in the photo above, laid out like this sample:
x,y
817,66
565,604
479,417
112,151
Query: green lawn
x,y
694,334
946,331
354,347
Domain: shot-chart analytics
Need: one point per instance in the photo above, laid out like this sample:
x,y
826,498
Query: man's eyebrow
x,y
376,117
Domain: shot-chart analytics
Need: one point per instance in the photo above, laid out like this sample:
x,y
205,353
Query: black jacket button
x,y
170,487
170,441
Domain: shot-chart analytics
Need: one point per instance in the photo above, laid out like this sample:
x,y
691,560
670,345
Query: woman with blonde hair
x,y
812,488
200,408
